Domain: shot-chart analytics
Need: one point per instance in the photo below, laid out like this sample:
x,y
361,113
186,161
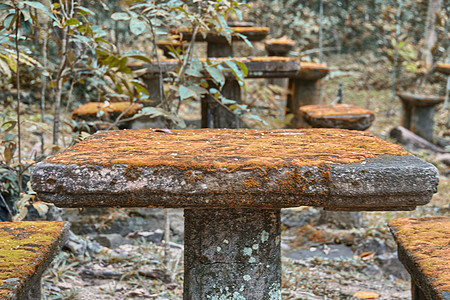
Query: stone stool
x,y
26,249
101,115
443,68
418,113
278,47
345,116
424,250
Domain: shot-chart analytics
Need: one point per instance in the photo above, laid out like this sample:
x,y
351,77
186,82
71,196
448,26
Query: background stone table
x,y
218,45
303,77
345,116
232,184
418,113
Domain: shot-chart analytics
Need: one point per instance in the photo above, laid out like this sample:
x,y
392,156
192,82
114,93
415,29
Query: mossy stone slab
x,y
26,249
241,168
424,249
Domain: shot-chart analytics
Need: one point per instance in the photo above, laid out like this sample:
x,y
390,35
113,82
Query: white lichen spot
x,y
264,236
275,291
219,249
277,240
241,289
237,296
247,251
226,242
252,260
255,247
247,277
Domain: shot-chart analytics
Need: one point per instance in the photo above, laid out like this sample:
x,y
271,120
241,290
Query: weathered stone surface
x,y
232,254
335,169
26,249
423,248
344,116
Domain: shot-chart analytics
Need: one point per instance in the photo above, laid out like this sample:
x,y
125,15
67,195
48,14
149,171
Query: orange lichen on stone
x,y
226,149
443,68
92,108
243,29
309,66
324,110
270,58
24,246
428,241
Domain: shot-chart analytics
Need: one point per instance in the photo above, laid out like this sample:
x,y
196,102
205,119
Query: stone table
x,y
345,116
418,113
232,184
218,45
424,249
303,77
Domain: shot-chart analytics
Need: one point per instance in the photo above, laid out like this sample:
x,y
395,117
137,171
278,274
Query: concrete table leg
x,y
303,92
416,292
232,254
419,119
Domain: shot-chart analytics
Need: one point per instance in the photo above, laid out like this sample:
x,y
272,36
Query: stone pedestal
x,y
303,92
418,113
232,254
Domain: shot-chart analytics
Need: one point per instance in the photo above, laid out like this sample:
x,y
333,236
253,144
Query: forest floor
x,y
365,256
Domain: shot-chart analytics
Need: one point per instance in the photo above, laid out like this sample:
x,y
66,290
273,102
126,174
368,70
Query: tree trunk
x,y
430,37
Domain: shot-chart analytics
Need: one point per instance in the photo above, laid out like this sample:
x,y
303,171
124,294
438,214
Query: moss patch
x,y
428,241
226,149
23,247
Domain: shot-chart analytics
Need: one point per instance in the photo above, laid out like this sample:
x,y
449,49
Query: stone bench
x,y
303,78
418,113
424,250
218,45
101,115
232,184
26,249
345,116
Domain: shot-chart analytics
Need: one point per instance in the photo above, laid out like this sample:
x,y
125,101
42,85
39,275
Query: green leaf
x,y
137,26
120,16
186,93
41,7
72,21
7,126
216,75
85,11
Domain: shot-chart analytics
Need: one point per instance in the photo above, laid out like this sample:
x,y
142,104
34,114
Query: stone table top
x,y
241,168
444,68
424,249
345,116
251,33
420,100
258,67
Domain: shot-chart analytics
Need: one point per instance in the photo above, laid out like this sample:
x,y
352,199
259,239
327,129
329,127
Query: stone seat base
x,y
344,116
26,249
424,250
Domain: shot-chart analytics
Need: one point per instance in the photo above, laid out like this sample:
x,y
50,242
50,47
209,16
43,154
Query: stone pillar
x,y
219,49
303,92
232,254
